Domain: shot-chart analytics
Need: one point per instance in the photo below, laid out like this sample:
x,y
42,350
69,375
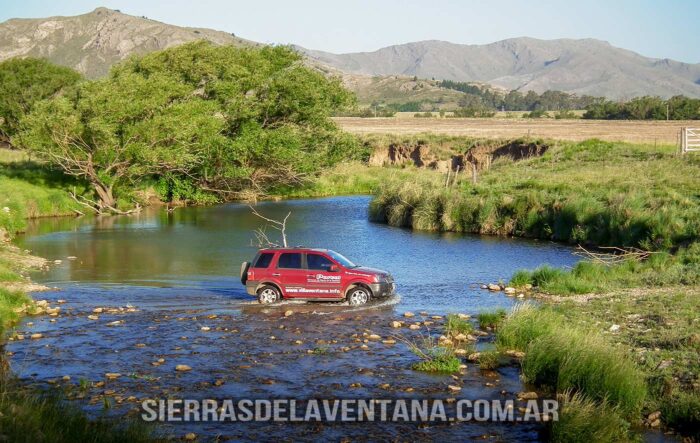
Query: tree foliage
x,y
218,119
645,108
24,82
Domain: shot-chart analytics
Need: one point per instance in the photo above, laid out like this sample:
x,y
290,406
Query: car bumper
x,y
250,287
383,289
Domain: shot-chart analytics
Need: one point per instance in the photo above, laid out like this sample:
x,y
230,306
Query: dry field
x,y
662,132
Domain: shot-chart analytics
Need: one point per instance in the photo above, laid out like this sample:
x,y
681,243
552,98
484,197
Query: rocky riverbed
x,y
109,358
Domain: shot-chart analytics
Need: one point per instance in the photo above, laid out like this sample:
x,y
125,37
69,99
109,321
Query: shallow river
x,y
179,272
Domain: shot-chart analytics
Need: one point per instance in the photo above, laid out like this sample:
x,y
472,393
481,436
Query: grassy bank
x,y
630,357
29,190
593,192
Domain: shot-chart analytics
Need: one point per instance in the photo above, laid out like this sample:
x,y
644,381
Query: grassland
x,y
633,355
649,132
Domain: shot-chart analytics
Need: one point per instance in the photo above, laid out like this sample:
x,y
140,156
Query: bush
x,y
489,359
570,359
438,359
682,412
456,325
584,420
491,319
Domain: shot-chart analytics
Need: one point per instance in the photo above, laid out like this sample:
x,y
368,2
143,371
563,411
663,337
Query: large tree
x,y
24,82
219,118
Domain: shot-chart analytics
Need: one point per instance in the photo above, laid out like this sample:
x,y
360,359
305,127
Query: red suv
x,y
312,274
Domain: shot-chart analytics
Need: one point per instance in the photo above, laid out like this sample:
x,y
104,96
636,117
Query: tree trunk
x,y
104,192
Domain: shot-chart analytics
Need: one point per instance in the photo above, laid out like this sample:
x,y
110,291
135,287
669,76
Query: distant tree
x,y
24,82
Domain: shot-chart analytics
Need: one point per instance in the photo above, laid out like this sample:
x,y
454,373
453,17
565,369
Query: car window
x,y
264,260
290,260
318,262
342,260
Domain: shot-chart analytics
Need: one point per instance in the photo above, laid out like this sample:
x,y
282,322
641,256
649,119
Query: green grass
x,y
440,361
681,411
9,301
491,319
592,192
565,358
661,269
584,420
456,325
568,346
27,416
29,190
489,359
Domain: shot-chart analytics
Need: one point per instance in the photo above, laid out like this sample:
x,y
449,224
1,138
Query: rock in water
x,y
183,368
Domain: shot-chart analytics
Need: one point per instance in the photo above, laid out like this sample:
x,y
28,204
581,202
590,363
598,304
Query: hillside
x,y
584,66
91,43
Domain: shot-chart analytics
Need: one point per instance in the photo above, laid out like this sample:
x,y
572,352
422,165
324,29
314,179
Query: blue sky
x,y
652,28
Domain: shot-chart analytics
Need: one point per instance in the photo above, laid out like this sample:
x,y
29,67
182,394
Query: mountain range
x,y
91,43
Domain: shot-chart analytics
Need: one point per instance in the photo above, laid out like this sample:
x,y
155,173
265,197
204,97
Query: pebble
x,y
219,382
374,337
514,353
97,310
460,352
58,262
36,336
396,324
71,257
474,356
190,436
288,313
183,368
527,395
493,287
414,327
614,328
408,314
389,341
464,316
509,290
115,323
93,317
112,375
454,388
205,328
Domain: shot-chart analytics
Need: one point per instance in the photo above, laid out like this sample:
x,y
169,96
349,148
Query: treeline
x,y
197,122
645,108
478,101
479,97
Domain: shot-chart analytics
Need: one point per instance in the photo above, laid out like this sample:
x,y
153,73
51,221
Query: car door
x,y
291,274
323,282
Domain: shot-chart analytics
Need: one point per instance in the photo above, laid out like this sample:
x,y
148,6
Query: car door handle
x,y
276,274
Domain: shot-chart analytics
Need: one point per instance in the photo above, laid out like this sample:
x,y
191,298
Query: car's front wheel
x,y
358,296
268,294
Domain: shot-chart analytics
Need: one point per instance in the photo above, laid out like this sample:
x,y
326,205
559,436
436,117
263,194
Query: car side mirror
x,y
333,268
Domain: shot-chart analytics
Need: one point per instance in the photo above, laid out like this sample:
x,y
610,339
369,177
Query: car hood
x,y
366,270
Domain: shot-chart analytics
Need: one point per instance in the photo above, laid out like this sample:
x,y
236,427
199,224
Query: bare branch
x,y
275,224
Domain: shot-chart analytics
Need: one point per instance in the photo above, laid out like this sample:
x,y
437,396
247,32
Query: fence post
x,y
684,140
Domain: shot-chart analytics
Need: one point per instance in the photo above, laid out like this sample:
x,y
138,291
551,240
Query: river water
x,y
179,273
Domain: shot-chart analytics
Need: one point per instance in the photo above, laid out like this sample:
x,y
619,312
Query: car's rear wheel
x,y
358,296
268,294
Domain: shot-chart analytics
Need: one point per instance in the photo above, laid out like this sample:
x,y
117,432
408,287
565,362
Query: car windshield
x,y
342,260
